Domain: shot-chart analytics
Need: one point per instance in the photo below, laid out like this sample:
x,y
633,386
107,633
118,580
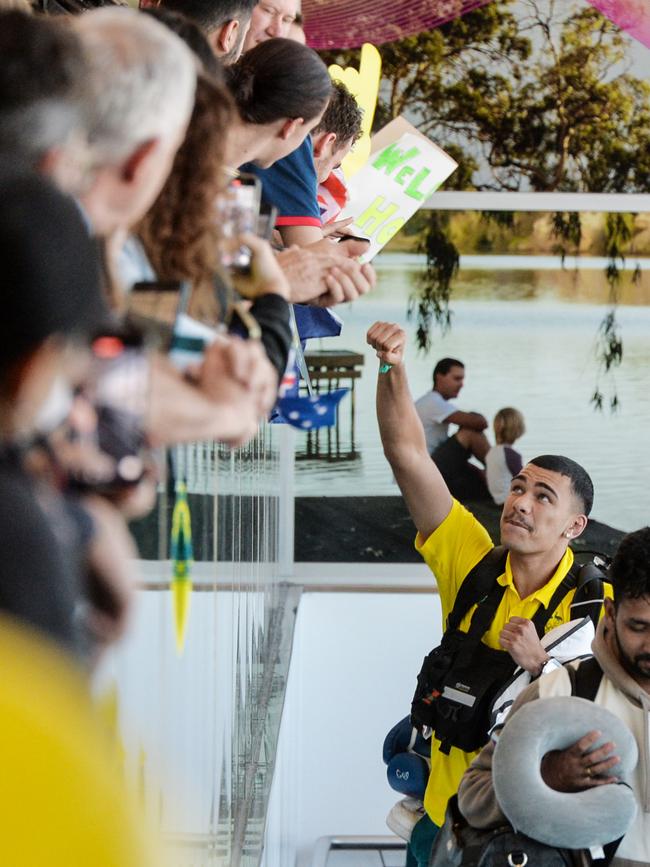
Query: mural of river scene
x,y
526,331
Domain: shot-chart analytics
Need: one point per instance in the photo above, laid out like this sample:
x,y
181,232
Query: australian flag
x,y
310,413
310,322
315,411
316,322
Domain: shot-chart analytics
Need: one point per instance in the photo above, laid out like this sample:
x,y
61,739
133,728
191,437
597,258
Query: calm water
x,y
527,340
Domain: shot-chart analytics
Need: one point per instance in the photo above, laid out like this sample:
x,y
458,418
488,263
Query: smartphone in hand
x,y
238,212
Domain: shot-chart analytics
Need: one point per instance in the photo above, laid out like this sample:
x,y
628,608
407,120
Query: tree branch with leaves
x,y
542,102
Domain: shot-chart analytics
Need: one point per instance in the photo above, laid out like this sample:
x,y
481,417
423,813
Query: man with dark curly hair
x,y
621,651
338,130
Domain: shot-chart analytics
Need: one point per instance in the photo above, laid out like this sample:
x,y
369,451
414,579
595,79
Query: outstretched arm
x,y
425,492
471,420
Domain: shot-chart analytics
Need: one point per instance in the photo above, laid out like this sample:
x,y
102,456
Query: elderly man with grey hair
x,y
142,80
101,112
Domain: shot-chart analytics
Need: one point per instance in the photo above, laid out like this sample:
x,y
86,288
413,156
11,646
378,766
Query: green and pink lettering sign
x,y
403,171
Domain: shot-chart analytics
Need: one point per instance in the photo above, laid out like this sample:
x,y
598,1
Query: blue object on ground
x,y
408,774
400,739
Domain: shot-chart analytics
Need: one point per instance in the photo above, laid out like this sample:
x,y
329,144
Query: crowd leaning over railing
x,y
125,219
170,198
147,283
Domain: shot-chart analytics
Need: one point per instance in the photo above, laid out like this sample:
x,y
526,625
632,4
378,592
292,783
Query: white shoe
x,y
404,816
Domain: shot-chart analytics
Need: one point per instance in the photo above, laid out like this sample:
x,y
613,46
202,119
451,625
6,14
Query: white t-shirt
x,y
433,409
501,464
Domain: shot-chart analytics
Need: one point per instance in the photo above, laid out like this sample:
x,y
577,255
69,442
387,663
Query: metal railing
x,y
380,845
199,723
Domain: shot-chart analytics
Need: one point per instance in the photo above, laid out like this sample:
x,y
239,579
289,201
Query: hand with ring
x,y
580,766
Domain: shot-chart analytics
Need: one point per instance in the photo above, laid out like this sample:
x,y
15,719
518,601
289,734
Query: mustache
x,y
644,657
513,517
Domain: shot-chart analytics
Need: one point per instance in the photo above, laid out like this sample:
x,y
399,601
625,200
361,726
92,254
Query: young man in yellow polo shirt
x,y
547,506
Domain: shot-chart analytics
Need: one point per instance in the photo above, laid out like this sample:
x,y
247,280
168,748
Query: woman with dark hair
x,y
180,233
179,238
281,90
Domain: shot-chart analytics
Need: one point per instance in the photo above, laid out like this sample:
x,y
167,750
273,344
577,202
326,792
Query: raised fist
x,y
388,340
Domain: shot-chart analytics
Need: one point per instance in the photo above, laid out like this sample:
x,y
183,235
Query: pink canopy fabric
x,y
633,16
350,23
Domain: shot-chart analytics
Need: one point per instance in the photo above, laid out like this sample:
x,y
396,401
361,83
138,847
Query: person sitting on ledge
x,y
452,453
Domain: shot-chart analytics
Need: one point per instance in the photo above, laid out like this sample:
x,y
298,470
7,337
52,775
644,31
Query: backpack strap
x,y
543,613
590,593
586,678
486,608
481,580
477,584
588,581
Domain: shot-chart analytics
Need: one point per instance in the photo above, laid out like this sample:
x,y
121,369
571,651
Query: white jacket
x,y
564,643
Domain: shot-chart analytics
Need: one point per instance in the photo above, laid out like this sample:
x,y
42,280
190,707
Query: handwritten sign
x,y
404,169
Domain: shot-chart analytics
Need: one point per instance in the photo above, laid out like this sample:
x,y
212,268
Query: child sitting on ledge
x,y
502,462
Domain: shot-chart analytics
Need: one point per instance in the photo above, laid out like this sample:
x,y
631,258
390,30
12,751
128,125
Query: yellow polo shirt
x,y
451,551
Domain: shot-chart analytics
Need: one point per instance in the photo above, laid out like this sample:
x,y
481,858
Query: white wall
x,y
353,671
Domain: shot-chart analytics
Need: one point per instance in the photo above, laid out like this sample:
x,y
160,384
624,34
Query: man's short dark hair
x,y
444,366
43,90
191,34
343,116
210,14
630,569
581,483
